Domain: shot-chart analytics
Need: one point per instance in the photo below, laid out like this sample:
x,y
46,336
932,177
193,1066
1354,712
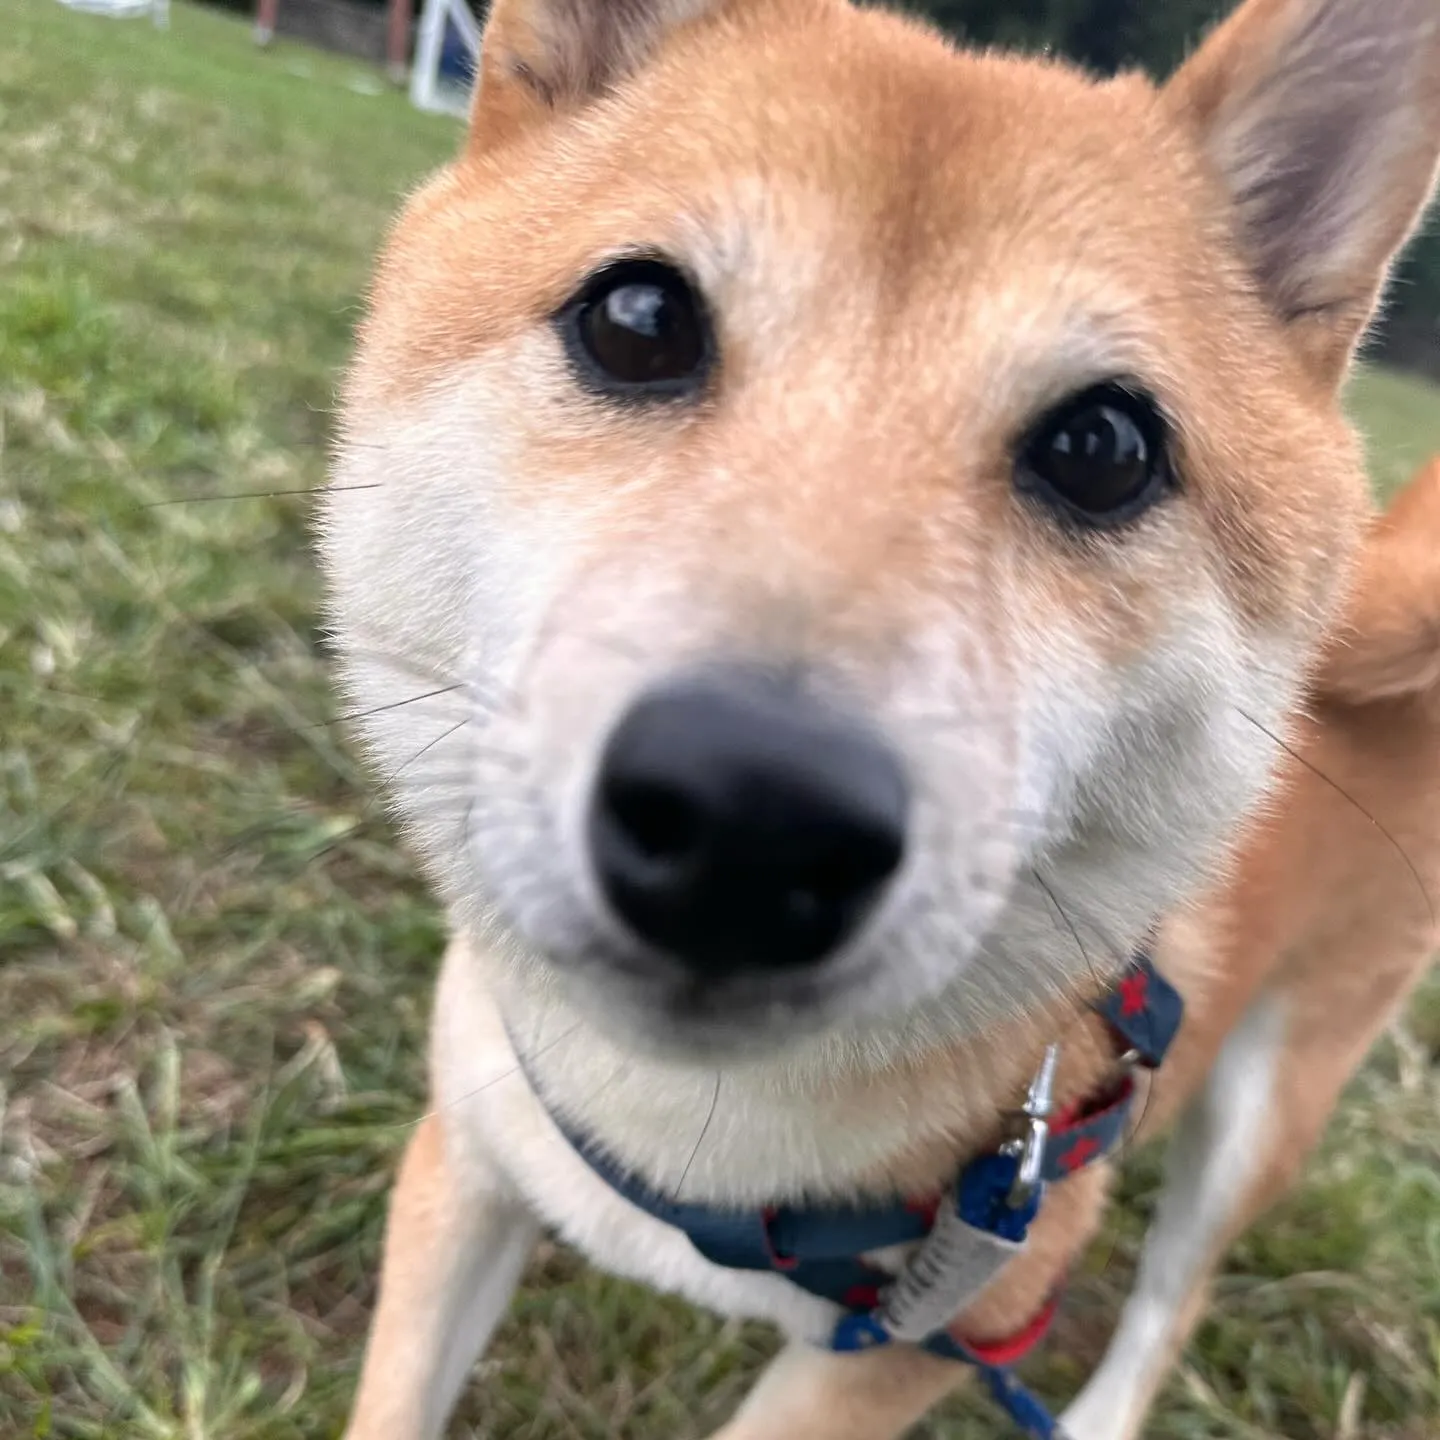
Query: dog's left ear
x,y
1323,119
541,58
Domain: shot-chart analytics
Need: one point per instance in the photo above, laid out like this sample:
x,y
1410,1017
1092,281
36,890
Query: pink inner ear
x,y
1328,148
570,49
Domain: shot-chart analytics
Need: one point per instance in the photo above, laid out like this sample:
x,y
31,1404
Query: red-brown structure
x,y
344,26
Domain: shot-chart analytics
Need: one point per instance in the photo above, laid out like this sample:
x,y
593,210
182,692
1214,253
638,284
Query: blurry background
x,y
214,964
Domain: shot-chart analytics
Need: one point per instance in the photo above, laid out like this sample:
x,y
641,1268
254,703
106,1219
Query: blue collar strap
x,y
1144,1010
821,1248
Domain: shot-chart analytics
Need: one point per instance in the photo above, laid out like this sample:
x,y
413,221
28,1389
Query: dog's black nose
x,y
740,824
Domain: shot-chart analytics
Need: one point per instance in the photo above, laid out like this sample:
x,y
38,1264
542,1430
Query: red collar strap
x,y
1002,1354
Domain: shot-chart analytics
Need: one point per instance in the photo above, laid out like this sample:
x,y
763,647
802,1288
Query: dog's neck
x,y
829,1119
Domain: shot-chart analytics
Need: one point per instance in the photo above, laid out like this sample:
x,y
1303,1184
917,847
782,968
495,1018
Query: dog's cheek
x,y
1064,714
1192,749
1140,768
433,592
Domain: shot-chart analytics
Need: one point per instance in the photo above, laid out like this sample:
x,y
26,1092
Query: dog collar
x,y
964,1236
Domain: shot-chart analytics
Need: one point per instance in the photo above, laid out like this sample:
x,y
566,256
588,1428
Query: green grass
x,y
214,966
1399,415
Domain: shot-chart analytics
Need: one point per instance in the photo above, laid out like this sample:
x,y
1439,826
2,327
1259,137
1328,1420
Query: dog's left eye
x,y
638,328
1100,457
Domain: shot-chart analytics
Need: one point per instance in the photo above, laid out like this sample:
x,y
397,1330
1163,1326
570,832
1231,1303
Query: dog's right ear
x,y
1322,117
539,57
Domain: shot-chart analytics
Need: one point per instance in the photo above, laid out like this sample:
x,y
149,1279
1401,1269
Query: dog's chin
x,y
903,973
650,1006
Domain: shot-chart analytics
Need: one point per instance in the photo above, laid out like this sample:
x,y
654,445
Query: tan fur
x,y
1389,646
910,254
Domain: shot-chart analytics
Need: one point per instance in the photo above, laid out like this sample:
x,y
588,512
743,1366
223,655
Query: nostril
x,y
845,877
662,824
740,824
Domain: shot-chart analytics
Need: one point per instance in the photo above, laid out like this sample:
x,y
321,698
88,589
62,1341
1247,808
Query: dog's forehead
x,y
879,110
834,186
921,152
882,166
836,202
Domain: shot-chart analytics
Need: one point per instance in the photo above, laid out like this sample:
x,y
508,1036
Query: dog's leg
x,y
810,1394
1218,1155
1237,1149
455,1245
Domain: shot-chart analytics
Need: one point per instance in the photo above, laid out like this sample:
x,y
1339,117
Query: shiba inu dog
x,y
830,536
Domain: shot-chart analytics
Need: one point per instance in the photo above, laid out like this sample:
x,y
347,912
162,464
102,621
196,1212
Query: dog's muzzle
x,y
739,823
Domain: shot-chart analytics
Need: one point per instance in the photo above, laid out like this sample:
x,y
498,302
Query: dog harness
x,y
963,1237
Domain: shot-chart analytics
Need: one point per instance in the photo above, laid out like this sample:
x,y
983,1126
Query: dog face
x,y
856,515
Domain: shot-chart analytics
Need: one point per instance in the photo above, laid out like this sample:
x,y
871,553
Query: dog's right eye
x,y
639,328
1099,458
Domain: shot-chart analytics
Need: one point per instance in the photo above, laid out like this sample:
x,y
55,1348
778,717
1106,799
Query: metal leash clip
x,y
1029,1148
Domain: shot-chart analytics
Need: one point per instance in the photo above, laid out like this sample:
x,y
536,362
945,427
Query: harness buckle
x,y
1029,1148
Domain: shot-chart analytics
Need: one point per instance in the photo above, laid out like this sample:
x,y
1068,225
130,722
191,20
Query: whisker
x,y
1068,923
394,777
253,495
1349,799
480,1089
382,709
487,693
418,666
704,1131
342,447
368,815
